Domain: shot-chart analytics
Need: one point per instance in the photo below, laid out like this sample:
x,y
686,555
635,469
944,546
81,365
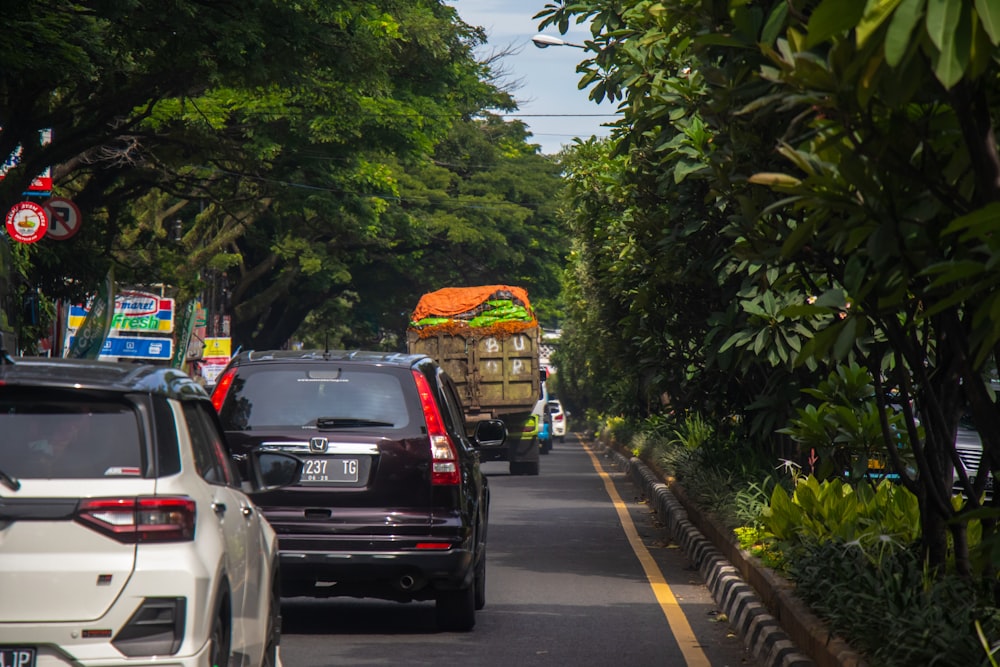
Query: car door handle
x,y
219,508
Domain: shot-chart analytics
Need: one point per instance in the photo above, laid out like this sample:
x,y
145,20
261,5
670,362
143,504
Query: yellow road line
x,y
679,626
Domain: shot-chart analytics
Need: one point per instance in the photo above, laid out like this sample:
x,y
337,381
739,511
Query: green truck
x,y
487,340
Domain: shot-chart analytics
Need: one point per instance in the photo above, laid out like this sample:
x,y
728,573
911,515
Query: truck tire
x,y
524,467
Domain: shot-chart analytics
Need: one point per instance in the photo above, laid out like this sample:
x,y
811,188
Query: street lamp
x,y
545,41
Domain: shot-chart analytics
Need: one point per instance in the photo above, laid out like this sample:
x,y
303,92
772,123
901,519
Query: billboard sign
x,y
134,311
135,347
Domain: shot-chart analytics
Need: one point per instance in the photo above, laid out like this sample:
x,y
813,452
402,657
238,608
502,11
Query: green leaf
x,y
800,310
833,17
874,16
953,272
685,168
738,338
989,17
988,215
775,22
942,21
897,37
774,180
846,338
833,298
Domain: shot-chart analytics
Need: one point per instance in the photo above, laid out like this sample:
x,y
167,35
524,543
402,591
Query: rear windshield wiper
x,y
348,422
9,481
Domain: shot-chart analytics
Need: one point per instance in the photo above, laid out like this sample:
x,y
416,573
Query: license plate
x,y
17,657
328,470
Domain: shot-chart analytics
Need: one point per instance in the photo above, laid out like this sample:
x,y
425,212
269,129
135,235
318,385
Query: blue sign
x,y
134,347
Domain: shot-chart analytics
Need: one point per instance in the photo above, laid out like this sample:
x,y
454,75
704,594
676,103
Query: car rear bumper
x,y
396,575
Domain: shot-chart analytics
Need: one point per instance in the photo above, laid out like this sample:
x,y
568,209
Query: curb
x,y
760,631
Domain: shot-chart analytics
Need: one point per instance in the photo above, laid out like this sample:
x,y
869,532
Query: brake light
x,y
222,388
140,520
444,457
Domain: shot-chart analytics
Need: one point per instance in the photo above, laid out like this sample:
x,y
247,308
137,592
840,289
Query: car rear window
x,y
315,398
53,438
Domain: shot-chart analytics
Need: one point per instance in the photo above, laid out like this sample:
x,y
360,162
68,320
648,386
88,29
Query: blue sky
x,y
554,109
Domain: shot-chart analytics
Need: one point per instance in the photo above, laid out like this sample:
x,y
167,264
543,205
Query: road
x,y
565,586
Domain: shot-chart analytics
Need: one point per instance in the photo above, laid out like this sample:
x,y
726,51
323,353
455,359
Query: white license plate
x,y
17,657
328,470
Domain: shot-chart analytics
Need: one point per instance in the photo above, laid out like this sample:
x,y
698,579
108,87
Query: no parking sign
x,y
64,218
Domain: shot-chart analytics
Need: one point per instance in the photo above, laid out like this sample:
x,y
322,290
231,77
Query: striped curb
x,y
761,633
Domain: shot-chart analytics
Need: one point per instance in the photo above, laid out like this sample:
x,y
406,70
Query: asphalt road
x,y
565,586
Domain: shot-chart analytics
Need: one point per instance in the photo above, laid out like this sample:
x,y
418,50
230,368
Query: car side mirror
x,y
273,470
490,433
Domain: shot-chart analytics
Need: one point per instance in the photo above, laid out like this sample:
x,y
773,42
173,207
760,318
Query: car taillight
x,y
444,459
222,388
140,520
558,418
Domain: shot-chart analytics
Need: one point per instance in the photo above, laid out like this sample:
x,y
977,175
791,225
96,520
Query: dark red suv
x,y
392,503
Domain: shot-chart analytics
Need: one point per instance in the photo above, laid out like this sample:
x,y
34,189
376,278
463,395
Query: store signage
x,y
134,311
27,222
135,347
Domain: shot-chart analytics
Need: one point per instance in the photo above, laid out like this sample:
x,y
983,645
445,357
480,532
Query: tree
x,y
481,211
875,245
262,176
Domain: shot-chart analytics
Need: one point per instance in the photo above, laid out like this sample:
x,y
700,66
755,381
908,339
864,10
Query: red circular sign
x,y
27,222
64,218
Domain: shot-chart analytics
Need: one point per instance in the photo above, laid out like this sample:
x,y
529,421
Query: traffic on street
x,y
565,587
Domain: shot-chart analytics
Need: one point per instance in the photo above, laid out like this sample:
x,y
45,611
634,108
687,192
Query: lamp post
x,y
545,41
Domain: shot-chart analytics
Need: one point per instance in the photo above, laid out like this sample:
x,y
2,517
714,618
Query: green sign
x,y
89,339
185,327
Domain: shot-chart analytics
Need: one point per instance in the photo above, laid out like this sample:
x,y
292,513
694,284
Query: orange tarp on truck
x,y
451,301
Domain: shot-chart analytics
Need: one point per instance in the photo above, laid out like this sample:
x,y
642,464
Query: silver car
x,y
126,533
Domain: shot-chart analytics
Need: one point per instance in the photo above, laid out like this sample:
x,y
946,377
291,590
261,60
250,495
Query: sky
x,y
549,101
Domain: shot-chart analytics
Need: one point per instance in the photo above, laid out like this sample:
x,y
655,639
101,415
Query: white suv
x,y
126,537
558,419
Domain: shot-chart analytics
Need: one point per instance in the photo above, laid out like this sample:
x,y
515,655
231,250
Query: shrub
x,y
848,545
893,610
876,519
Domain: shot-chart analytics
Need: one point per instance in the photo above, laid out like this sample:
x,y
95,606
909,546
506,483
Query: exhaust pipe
x,y
408,582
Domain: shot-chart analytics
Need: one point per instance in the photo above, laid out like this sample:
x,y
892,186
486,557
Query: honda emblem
x,y
318,445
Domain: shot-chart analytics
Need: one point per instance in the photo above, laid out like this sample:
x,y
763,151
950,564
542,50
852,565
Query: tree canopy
x,y
273,156
820,183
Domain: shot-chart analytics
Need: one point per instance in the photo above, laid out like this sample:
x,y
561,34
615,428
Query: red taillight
x,y
137,520
222,388
444,459
434,546
558,418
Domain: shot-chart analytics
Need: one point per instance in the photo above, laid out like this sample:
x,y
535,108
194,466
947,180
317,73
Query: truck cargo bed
x,y
495,374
